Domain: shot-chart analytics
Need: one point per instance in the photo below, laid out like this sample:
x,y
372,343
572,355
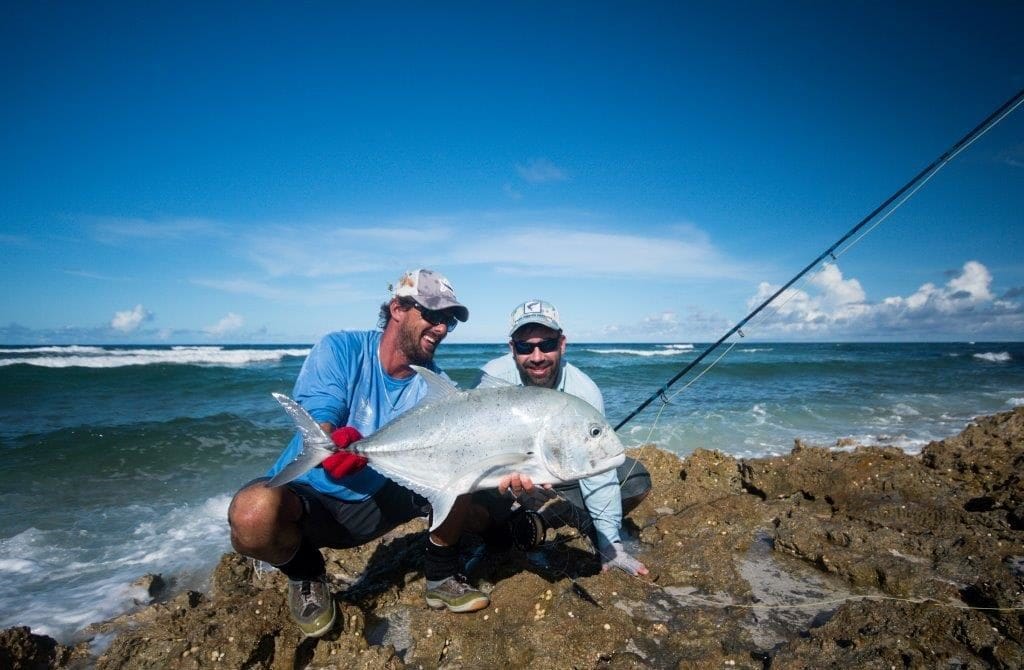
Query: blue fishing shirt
x,y
342,382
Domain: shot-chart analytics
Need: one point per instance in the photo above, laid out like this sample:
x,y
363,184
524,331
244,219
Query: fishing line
x,y
837,601
888,207
908,190
878,215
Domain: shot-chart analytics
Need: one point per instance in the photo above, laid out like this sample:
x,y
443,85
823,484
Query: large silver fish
x,y
455,442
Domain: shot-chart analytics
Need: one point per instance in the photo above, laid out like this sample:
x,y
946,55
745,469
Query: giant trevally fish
x,y
454,442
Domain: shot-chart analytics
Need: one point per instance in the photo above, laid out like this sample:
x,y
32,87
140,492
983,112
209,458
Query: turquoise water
x,y
120,461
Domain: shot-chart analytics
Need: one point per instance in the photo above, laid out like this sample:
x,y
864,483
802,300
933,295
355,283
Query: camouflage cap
x,y
431,290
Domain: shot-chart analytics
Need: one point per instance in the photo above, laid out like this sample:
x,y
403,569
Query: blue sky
x,y
260,172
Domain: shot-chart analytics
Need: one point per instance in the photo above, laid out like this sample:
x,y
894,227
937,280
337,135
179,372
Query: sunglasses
x,y
435,317
524,348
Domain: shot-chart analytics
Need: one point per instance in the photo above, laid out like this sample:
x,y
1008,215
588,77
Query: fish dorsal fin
x,y
438,388
491,382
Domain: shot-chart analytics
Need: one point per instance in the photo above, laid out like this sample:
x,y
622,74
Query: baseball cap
x,y
534,311
431,290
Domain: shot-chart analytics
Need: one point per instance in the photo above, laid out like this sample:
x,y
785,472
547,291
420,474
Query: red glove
x,y
342,462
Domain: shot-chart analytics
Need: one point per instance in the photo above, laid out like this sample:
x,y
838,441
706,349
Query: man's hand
x,y
614,556
343,462
515,482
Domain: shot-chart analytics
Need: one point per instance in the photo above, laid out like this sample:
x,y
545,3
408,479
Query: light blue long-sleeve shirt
x,y
601,493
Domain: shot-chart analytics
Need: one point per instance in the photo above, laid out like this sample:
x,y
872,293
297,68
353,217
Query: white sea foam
x,y
71,349
1015,402
904,410
675,351
16,566
760,414
991,357
754,350
95,357
57,589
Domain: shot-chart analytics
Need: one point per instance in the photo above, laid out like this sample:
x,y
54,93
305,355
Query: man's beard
x,y
549,379
409,345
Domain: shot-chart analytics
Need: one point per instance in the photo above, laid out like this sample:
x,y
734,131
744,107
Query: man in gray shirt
x,y
535,358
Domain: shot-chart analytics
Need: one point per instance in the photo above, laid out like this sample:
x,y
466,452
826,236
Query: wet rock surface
x,y
859,557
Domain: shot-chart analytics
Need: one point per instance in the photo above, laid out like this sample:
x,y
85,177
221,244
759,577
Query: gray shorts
x,y
340,524
634,484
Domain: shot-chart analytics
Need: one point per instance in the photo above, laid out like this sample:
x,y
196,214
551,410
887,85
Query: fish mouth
x,y
610,463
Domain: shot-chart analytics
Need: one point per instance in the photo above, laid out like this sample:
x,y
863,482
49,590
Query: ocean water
x,y
116,462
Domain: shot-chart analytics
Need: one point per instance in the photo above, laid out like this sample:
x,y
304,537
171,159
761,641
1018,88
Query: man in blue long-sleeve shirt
x,y
353,383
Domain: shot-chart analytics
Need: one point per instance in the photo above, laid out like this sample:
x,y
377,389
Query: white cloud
x,y
229,323
551,243
114,231
565,252
541,170
665,323
1014,156
85,274
130,320
511,192
965,304
326,251
974,280
695,325
324,294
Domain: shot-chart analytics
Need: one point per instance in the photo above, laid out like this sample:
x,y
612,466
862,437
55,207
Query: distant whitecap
x,y
98,357
640,352
1001,357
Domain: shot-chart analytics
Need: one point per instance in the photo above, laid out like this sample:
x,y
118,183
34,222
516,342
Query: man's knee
x,y
257,507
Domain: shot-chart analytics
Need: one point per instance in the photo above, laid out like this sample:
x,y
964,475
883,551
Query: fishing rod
x,y
994,118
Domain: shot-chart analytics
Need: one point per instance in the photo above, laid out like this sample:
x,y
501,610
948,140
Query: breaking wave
x,y
664,350
1001,357
99,357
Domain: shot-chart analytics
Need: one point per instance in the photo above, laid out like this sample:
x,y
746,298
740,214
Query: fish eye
x,y
595,431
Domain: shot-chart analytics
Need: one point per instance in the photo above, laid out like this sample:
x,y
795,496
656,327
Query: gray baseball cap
x,y
431,290
534,311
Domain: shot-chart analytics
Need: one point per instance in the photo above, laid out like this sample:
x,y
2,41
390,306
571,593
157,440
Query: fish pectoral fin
x,y
467,480
441,505
491,382
441,501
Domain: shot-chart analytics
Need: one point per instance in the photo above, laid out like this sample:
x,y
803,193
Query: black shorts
x,y
340,524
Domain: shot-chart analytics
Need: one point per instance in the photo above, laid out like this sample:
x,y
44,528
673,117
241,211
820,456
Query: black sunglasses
x,y
435,317
523,347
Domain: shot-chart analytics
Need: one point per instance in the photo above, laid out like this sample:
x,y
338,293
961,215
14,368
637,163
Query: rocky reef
x,y
831,556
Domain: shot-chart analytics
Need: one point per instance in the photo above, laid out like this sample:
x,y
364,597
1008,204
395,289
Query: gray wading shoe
x,y
312,606
455,594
